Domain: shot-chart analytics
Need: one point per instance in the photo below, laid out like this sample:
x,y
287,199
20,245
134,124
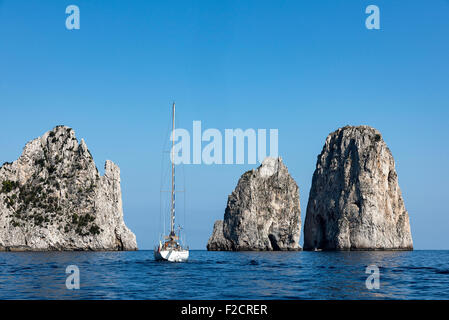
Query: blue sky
x,y
303,67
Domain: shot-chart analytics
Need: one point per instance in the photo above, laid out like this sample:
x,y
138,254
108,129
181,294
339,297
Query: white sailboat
x,y
171,248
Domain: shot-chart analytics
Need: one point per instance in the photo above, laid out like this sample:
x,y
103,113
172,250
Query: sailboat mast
x,y
172,220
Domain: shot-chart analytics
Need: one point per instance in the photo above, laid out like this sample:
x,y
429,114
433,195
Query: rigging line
x,y
161,218
184,206
184,209
172,217
162,205
177,124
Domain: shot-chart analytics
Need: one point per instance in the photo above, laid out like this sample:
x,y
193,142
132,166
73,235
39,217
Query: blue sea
x,y
225,275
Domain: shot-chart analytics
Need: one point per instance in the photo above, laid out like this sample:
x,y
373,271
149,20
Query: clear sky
x,y
303,67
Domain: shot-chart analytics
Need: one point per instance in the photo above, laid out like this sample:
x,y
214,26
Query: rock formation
x,y
355,202
53,198
262,213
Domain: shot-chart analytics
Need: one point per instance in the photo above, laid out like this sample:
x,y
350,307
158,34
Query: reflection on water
x,y
226,275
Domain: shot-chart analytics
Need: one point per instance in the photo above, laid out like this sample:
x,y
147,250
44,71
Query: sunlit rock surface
x,y
262,213
53,198
355,202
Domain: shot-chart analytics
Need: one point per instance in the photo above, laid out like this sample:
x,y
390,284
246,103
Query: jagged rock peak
x,y
355,202
262,213
53,198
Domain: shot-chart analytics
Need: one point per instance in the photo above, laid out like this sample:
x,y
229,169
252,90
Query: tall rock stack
x,y
262,213
355,202
53,198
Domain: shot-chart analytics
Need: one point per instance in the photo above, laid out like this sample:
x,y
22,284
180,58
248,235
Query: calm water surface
x,y
226,275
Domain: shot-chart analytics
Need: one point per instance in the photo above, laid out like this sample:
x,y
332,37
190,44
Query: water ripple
x,y
226,275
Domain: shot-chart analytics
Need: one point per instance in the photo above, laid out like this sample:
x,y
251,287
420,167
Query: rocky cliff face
x,y
53,198
355,202
262,213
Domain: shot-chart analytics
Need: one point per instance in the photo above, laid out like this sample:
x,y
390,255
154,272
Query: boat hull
x,y
171,255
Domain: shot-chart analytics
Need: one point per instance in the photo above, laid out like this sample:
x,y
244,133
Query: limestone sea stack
x,y
262,212
53,198
355,202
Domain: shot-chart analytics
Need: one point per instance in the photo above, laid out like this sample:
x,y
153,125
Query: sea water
x,y
226,275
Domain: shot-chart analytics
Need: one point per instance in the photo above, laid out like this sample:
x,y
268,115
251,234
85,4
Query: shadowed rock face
x,y
355,202
262,213
53,198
